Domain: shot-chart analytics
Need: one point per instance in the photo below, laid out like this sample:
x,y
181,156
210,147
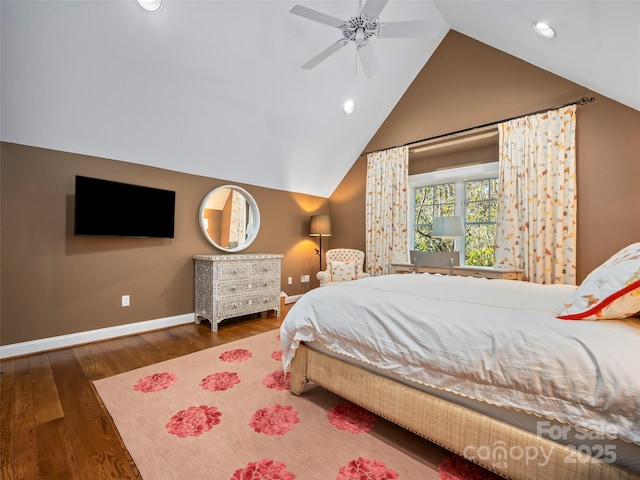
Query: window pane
x,y
493,211
445,193
478,212
431,201
477,190
423,202
446,210
480,217
479,245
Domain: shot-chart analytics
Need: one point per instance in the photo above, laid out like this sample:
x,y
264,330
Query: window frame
x,y
456,175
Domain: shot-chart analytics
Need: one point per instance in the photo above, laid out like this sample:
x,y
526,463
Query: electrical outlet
x,y
125,300
289,280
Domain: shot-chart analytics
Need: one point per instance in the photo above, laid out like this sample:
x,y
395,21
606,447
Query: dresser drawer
x,y
266,283
266,268
227,288
480,272
257,302
242,286
234,270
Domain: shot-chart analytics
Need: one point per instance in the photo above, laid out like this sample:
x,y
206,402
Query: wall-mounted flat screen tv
x,y
113,209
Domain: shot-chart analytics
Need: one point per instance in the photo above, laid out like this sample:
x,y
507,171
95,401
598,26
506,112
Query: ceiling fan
x,y
360,30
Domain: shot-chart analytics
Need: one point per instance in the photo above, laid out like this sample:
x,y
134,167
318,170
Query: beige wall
x,y
54,283
466,84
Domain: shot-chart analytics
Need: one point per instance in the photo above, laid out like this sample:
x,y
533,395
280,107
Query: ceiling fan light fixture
x,y
361,30
348,107
544,29
150,6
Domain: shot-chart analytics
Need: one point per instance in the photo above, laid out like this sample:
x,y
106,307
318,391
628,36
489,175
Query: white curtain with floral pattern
x,y
238,227
386,209
537,202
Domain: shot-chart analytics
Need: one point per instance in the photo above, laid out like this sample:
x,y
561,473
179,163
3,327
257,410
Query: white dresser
x,y
229,286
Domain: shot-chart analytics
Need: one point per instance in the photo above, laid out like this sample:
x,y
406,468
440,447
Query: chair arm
x,y
324,277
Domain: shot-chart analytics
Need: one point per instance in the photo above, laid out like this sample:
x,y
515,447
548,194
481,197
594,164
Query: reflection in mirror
x,y
229,218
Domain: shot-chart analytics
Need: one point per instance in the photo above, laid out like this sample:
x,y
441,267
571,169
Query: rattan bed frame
x,y
451,426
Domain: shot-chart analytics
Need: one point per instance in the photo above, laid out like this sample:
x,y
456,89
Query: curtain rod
x,y
582,101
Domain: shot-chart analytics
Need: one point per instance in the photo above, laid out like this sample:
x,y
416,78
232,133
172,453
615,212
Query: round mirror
x,y
229,218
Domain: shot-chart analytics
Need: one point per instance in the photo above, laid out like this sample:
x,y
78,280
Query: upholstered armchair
x,y
343,264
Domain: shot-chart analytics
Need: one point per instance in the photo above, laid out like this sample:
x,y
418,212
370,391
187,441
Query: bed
x,y
484,368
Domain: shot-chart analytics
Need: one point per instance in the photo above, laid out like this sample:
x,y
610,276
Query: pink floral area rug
x,y
226,413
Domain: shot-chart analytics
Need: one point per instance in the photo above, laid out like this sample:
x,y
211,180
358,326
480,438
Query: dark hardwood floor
x,y
52,423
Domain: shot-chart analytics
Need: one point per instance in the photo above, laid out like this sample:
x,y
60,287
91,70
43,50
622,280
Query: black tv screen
x,y
113,209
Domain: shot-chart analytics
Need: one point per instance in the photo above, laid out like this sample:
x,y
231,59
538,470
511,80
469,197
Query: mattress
x,y
490,343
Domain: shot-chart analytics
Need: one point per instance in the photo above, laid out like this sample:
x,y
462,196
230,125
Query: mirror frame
x,y
252,228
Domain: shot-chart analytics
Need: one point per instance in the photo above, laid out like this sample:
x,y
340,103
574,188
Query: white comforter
x,y
497,341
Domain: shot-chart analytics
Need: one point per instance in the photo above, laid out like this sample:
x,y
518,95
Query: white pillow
x,y
611,291
342,271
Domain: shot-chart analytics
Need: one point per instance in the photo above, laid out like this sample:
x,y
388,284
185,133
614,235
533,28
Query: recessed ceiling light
x,y
150,5
543,29
348,107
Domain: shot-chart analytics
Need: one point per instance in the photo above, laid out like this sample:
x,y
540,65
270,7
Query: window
x,y
468,192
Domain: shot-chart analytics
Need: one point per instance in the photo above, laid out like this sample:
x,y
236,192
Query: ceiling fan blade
x,y
417,28
373,8
333,48
317,16
368,59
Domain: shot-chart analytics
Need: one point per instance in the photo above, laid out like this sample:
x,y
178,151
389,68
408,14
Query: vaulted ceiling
x,y
215,87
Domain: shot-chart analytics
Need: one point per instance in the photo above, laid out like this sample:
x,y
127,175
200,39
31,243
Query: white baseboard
x,y
62,341
292,298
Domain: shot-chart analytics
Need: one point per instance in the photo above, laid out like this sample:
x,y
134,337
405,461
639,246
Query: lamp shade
x,y
447,227
320,226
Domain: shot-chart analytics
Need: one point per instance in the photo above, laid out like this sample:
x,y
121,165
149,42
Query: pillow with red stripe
x,y
611,291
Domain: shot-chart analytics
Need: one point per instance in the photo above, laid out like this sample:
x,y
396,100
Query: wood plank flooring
x,y
52,423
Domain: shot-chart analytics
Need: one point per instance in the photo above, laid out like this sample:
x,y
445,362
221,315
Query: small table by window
x,y
463,270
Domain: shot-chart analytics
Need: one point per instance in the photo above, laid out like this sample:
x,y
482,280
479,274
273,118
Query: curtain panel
x,y
238,227
386,209
537,204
